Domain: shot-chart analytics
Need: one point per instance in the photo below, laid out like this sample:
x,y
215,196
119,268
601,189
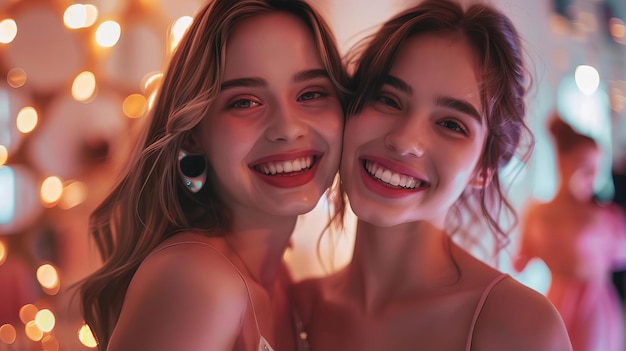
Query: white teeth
x,y
288,167
296,165
395,179
403,181
386,176
379,173
390,177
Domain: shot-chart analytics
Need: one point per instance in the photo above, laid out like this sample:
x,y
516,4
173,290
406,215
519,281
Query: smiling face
x,y
273,134
412,151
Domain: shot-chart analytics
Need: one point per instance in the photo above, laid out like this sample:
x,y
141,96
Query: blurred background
x,y
77,80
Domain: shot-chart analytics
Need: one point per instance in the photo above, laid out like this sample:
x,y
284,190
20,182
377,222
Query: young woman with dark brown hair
x,y
438,112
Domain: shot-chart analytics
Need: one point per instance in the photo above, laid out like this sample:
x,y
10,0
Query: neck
x,y
260,246
406,260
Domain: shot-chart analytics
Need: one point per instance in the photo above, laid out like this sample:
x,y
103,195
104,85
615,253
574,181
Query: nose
x,y
285,124
407,140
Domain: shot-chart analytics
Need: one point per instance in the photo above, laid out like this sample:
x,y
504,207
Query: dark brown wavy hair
x,y
150,203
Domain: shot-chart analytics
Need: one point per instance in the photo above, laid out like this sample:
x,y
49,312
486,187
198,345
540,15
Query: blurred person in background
x,y
581,240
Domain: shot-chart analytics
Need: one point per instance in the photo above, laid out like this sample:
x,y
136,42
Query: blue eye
x,y
454,126
244,103
311,95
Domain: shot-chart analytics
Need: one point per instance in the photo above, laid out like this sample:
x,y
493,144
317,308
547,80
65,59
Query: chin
x,y
296,208
376,218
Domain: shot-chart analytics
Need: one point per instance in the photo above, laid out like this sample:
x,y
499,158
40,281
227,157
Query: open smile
x,y
390,183
286,168
391,178
287,171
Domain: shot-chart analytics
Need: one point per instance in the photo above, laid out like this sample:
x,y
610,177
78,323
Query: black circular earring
x,y
192,170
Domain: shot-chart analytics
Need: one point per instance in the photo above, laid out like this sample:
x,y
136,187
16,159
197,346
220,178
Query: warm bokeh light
x,y
16,77
587,79
8,30
178,30
617,29
80,16
7,334
134,106
32,331
84,86
4,155
51,190
28,313
86,336
47,276
618,99
92,15
108,33
560,25
45,320
3,252
74,194
75,16
27,119
50,343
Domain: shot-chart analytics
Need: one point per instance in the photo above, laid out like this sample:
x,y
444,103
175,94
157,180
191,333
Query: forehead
x,y
441,64
268,43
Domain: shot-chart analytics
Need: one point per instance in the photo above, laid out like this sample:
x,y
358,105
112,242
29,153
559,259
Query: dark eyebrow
x,y
461,106
310,74
398,84
242,82
259,82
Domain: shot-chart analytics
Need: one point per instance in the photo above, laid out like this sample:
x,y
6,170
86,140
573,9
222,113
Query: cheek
x,y
461,164
332,131
352,138
224,136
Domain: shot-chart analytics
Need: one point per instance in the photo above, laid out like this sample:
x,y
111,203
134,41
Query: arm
x,y
182,298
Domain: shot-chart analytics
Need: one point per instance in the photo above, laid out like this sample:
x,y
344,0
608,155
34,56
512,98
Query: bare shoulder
x,y
516,317
184,296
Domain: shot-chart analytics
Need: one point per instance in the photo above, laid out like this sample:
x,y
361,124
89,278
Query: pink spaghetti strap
x,y
479,308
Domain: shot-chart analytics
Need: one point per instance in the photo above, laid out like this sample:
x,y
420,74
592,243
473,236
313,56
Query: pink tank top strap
x,y
479,307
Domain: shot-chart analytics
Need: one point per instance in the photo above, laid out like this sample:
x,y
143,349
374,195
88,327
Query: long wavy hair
x,y
503,80
150,202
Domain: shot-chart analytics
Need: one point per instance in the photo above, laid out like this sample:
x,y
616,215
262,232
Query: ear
x,y
190,144
481,178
